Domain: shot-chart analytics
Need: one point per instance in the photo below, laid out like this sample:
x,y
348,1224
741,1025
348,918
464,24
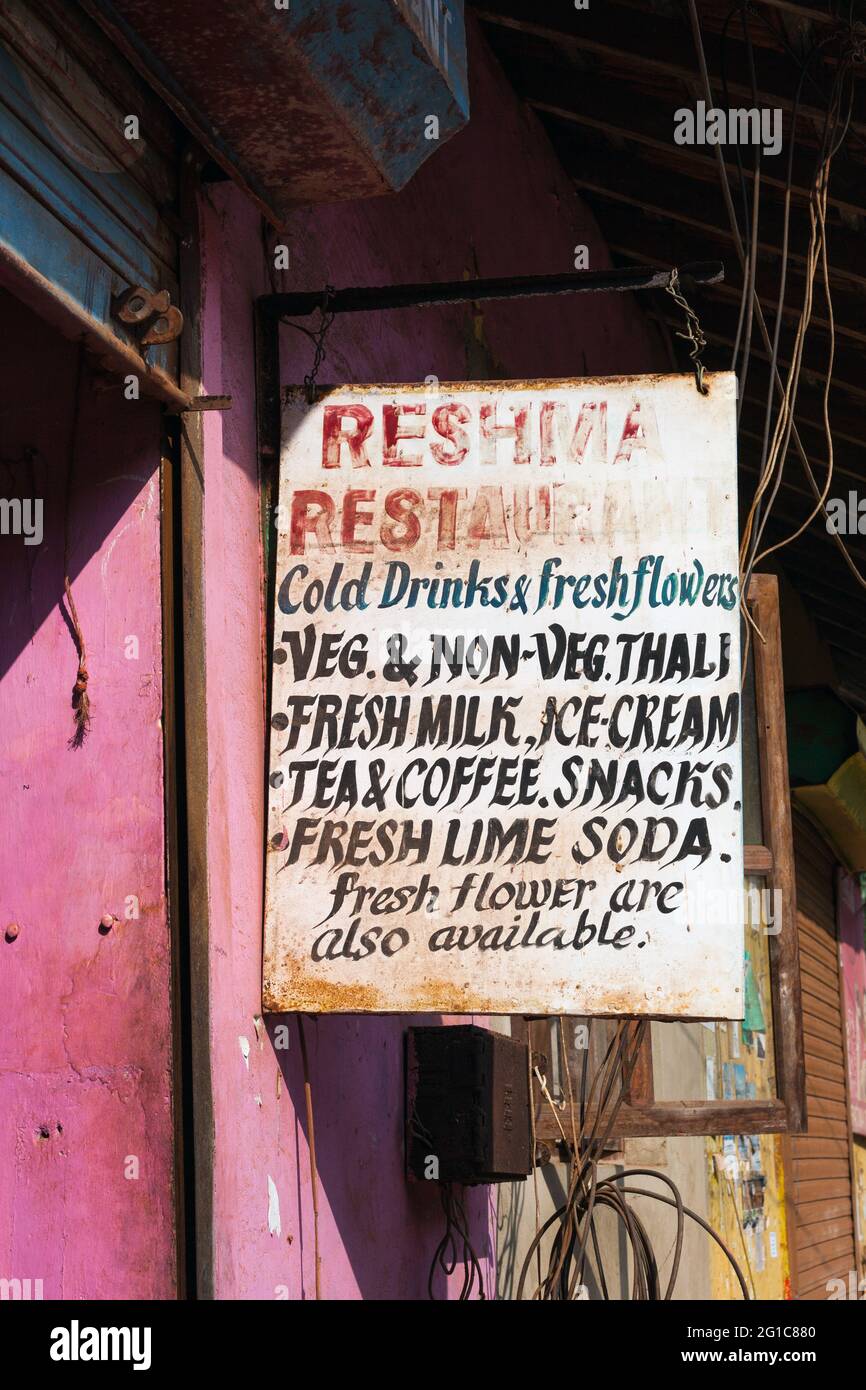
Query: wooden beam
x,y
678,199
720,327
846,416
757,859
844,479
790,519
666,1118
824,625
794,481
848,321
714,13
542,67
623,41
654,142
840,591
635,239
850,454
812,550
784,948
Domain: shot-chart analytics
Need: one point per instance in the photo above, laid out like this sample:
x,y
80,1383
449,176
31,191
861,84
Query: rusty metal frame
x,y
374,298
270,309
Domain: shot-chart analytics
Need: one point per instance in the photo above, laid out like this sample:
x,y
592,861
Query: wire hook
x,y
693,332
326,318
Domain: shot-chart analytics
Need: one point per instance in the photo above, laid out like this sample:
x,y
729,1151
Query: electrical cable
x,y
455,1248
835,130
783,274
593,1109
749,275
786,426
741,177
574,1224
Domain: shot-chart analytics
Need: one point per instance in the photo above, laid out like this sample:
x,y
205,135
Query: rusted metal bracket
x,y
149,314
208,403
359,300
271,308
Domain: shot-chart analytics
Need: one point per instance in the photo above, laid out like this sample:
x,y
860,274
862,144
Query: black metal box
x,y
467,1105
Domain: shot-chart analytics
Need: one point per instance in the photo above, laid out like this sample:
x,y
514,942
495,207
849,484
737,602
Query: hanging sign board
x,y
504,766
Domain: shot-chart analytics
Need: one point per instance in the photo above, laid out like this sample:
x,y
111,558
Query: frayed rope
x,y
80,697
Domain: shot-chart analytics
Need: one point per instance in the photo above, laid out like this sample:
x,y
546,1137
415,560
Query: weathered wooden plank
x,y
818,967
672,1117
819,1008
816,1029
784,947
93,49
757,859
824,1209
809,1169
828,1140
809,1190
816,1286
823,1112
822,1058
826,1251
821,1088
815,1234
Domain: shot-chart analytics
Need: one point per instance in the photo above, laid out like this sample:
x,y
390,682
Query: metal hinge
x,y
148,314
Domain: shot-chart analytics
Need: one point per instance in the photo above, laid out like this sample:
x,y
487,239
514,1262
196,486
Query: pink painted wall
x,y
494,201
85,1039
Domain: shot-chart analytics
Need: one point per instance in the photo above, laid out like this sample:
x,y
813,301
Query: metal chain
x,y
326,318
693,332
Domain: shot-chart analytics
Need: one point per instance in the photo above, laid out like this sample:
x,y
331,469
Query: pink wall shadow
x,y
85,1036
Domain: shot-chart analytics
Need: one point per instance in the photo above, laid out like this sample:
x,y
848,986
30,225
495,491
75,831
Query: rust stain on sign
x,y
504,764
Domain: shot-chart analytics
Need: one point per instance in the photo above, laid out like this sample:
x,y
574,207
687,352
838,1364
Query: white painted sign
x,y
504,766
